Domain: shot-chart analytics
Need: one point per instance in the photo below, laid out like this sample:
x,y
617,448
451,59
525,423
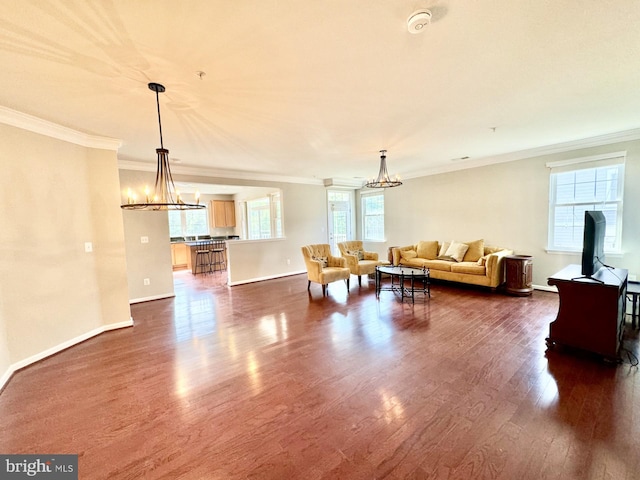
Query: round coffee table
x,y
416,278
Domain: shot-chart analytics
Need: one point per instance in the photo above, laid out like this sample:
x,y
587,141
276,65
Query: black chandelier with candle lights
x,y
163,197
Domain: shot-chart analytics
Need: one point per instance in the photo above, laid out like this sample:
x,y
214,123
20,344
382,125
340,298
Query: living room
x,y
63,188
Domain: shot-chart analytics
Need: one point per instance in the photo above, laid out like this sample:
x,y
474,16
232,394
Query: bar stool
x,y
218,257
203,257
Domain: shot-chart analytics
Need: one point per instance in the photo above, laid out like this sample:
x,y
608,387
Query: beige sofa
x,y
478,264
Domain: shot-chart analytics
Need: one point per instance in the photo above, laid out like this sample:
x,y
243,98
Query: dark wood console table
x,y
592,311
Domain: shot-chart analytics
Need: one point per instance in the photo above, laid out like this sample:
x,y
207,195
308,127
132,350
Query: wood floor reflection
x,y
268,381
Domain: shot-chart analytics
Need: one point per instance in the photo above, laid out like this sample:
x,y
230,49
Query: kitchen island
x,y
183,251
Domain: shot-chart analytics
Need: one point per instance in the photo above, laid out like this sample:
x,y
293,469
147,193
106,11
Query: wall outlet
x,y
144,239
146,281
88,247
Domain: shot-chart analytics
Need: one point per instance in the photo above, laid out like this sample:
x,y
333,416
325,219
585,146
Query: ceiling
x,y
314,89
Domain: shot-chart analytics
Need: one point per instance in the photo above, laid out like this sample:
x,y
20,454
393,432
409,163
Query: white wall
x,y
56,196
150,260
305,220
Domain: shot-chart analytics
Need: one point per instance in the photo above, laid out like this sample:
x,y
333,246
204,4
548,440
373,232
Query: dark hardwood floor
x,y
266,381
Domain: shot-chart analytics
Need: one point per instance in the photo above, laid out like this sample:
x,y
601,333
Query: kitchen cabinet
x,y
179,255
223,213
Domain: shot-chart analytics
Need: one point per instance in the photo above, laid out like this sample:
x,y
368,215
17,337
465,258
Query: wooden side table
x,y
519,273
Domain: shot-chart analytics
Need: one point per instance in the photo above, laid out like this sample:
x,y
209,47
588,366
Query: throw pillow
x,y
475,251
482,260
324,261
408,254
428,250
457,250
359,254
443,248
446,258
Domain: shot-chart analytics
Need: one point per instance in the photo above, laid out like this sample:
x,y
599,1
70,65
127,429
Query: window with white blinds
x,y
593,183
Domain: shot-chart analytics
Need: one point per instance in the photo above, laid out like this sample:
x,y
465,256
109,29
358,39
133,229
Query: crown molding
x,y
217,173
617,137
53,130
352,183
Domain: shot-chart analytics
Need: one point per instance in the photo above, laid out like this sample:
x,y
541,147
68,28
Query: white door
x,y
340,219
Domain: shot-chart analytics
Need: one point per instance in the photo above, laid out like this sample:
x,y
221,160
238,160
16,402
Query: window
x,y
264,217
186,223
594,183
373,217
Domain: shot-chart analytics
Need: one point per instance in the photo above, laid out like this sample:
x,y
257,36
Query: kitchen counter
x,y
194,240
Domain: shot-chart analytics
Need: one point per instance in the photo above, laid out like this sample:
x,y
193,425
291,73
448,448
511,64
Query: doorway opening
x,y
341,218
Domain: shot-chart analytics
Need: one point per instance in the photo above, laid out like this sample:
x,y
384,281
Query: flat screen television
x,y
593,244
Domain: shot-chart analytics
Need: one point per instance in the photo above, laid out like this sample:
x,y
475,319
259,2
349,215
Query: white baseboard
x,y
58,348
154,297
260,279
546,288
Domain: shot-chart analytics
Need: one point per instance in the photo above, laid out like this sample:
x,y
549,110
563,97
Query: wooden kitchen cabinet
x,y
223,213
179,255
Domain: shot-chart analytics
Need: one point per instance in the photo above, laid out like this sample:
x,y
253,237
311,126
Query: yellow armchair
x,y
359,261
324,268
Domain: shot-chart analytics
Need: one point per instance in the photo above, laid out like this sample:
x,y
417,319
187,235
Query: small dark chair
x,y
203,257
218,255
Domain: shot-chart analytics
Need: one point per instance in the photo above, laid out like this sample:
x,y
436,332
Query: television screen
x,y
593,244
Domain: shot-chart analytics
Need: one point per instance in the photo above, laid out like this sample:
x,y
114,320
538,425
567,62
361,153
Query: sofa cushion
x,y
471,268
408,254
416,262
457,250
428,250
482,260
442,265
475,251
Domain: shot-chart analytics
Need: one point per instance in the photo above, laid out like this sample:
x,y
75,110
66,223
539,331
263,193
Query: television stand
x,y
591,314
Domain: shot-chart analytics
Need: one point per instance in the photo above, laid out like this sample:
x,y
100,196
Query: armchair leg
x,y
324,289
309,285
348,285
359,280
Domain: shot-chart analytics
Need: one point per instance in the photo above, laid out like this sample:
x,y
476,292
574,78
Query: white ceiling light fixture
x,y
418,20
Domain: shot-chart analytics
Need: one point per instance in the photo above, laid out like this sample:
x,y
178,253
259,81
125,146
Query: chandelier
x,y
383,180
163,196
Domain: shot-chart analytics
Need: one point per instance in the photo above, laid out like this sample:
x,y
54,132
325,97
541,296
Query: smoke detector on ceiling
x,y
418,20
